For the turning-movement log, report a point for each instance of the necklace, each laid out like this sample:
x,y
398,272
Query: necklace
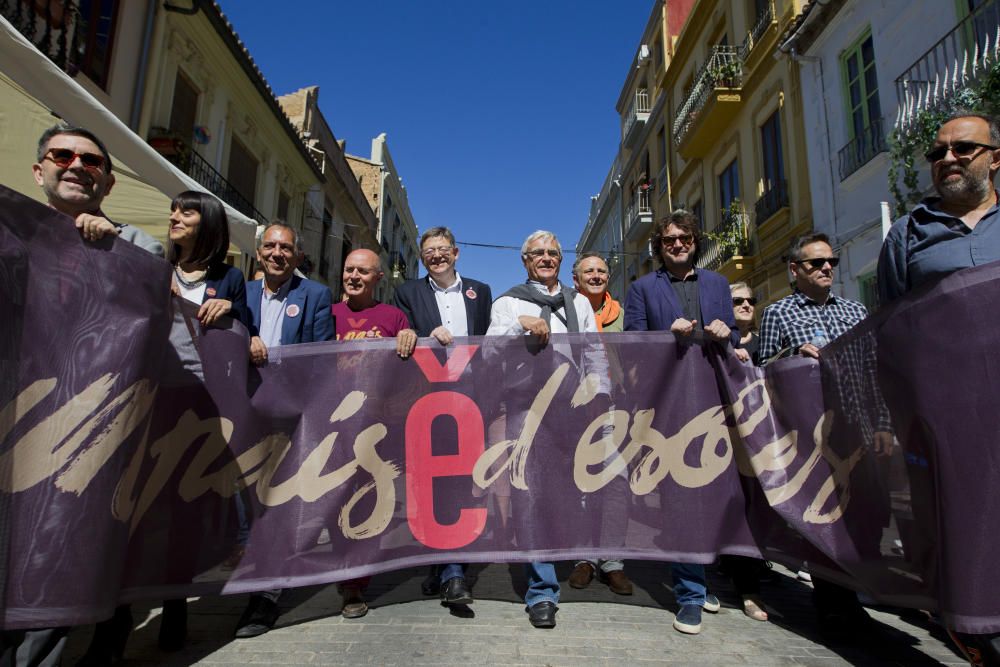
x,y
202,275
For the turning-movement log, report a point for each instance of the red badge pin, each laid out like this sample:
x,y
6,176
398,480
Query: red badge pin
x,y
210,291
292,310
471,293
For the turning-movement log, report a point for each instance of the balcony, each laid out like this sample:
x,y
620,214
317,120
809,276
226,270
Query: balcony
x,y
955,62
761,35
861,149
636,116
638,215
773,200
195,166
732,239
712,103
53,26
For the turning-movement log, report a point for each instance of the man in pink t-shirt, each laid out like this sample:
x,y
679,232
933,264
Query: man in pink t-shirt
x,y
361,316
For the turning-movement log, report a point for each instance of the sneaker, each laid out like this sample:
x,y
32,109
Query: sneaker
x,y
711,604
803,573
688,619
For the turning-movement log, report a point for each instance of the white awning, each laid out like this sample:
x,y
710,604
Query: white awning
x,y
42,79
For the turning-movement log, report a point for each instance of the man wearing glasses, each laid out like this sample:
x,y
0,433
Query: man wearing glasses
x,y
443,305
540,307
958,228
810,317
683,299
74,172
955,230
802,323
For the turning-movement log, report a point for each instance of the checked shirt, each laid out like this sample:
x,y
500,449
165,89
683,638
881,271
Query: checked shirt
x,y
791,322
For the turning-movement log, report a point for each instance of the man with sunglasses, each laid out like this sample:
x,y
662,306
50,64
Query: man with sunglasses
x,y
958,228
955,230
74,172
443,305
683,299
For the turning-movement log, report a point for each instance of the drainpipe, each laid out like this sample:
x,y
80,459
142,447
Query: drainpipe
x,y
140,79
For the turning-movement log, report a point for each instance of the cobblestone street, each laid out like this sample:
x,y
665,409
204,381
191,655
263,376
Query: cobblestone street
x,y
595,627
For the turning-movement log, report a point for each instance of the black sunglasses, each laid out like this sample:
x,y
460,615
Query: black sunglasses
x,y
959,148
740,300
818,262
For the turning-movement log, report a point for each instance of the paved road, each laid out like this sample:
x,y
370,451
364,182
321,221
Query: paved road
x,y
595,627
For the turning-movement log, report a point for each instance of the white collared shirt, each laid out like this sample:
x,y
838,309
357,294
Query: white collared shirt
x,y
506,310
451,306
272,313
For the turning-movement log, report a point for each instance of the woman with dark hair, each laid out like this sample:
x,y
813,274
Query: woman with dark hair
x,y
199,241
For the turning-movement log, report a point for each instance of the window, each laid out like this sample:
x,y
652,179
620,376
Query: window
x,y
242,173
96,38
283,202
770,143
324,263
698,210
868,286
729,187
661,140
184,108
861,86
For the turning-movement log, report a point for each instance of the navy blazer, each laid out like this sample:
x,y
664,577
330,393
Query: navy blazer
x,y
226,282
312,321
652,303
416,299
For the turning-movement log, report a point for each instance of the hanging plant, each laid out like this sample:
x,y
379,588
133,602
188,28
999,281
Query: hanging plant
x,y
907,148
731,236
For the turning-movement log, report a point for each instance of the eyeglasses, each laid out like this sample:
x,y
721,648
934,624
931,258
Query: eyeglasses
x,y
540,252
440,250
740,300
685,239
820,262
958,149
64,157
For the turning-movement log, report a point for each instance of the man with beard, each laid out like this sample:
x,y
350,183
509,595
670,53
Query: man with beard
x,y
955,230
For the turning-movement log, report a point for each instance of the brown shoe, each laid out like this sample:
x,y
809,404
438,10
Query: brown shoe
x,y
581,576
618,582
354,603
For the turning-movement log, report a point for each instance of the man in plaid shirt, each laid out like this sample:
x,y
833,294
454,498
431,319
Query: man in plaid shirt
x,y
811,316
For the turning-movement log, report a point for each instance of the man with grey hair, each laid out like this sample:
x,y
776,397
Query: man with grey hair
x,y
955,230
285,309
538,308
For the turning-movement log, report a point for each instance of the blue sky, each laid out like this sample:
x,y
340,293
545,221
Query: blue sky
x,y
500,116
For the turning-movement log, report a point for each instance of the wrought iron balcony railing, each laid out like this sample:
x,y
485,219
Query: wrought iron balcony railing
x,y
773,200
53,26
200,170
764,21
957,60
861,149
723,69
638,110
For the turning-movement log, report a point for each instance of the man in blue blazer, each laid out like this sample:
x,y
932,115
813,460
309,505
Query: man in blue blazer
x,y
682,299
443,305
284,308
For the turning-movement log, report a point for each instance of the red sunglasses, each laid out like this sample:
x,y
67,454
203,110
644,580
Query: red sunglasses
x,y
64,157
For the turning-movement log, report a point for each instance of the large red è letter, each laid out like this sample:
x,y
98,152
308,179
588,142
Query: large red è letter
x,y
422,467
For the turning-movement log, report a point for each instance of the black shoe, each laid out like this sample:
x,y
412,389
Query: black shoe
x,y
173,625
455,591
431,585
108,644
260,616
543,614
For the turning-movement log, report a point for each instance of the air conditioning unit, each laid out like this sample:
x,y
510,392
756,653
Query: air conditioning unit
x,y
643,55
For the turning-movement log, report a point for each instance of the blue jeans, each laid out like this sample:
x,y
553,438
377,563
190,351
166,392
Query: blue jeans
x,y
449,572
689,583
542,584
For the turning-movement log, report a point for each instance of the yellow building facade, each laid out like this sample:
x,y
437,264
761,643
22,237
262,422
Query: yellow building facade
x,y
737,145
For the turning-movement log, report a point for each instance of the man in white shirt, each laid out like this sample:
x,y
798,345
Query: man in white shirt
x,y
540,307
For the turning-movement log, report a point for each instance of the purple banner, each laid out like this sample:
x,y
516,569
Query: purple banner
x,y
129,450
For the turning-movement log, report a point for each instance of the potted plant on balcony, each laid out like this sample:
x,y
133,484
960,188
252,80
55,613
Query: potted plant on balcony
x,y
726,74
732,236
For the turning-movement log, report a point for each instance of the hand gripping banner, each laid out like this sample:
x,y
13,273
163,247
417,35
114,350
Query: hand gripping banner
x,y
136,450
